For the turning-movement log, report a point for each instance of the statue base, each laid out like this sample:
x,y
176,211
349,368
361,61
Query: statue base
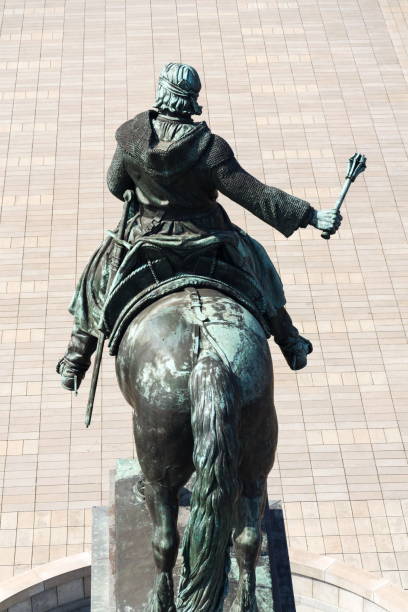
x,y
122,562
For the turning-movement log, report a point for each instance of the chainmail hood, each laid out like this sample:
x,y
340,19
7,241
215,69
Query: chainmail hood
x,y
158,158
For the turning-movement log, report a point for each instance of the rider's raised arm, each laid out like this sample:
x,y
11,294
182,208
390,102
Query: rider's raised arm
x,y
283,211
118,179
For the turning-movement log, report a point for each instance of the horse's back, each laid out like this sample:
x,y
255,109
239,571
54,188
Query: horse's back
x,y
157,352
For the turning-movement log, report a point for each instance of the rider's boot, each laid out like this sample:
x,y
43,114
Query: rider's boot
x,y
294,347
77,359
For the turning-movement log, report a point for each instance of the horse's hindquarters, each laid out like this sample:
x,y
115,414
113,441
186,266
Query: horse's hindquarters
x,y
213,406
153,357
156,352
156,357
239,338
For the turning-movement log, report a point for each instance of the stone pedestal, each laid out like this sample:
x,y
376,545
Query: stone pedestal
x,y
122,562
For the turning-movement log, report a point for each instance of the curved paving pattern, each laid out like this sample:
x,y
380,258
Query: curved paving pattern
x,y
296,87
63,585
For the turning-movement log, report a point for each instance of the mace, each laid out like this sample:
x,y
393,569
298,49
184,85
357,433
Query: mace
x,y
357,164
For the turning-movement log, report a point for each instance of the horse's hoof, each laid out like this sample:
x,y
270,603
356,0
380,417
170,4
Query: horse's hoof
x,y
160,604
244,606
155,605
139,489
162,597
245,600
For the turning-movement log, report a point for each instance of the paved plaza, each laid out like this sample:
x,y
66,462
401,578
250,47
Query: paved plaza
x,y
296,87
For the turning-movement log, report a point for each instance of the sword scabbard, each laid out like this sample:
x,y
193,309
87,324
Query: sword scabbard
x,y
95,376
115,262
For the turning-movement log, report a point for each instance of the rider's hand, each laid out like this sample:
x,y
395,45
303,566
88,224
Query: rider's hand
x,y
327,220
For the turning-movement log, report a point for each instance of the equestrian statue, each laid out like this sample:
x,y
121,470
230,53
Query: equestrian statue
x,y
187,301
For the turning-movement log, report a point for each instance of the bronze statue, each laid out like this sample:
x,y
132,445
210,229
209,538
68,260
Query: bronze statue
x,y
176,167
188,303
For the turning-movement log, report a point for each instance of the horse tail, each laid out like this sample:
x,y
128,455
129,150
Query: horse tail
x,y
216,406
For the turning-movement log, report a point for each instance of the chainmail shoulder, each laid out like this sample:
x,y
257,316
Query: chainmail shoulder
x,y
217,153
283,211
118,180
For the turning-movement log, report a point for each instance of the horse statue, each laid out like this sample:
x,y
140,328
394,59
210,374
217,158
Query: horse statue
x,y
195,366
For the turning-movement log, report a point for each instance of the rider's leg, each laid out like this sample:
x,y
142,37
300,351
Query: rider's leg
x,y
86,307
77,359
295,348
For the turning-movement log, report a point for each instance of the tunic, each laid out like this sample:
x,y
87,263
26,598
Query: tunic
x,y
176,170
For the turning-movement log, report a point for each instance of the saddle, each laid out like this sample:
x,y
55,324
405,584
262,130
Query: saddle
x,y
159,277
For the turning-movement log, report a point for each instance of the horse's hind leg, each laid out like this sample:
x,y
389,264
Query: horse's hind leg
x,y
162,485
259,429
247,541
163,506
164,446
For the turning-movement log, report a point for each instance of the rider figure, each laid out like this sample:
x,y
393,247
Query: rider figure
x,y
176,167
